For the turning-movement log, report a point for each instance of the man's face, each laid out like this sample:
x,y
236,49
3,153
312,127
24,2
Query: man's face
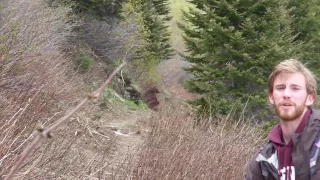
x,y
290,98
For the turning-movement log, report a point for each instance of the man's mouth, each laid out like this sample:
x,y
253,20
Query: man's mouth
x,y
287,105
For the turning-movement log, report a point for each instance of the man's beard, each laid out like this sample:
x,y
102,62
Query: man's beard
x,y
291,114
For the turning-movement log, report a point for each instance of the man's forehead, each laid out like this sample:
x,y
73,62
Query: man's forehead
x,y
290,79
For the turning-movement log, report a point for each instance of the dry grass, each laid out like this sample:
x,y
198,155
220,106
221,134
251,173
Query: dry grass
x,y
32,77
37,85
177,149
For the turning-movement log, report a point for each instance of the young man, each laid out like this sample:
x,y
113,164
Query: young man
x,y
292,152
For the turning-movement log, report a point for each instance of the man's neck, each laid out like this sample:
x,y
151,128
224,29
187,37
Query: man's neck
x,y
289,127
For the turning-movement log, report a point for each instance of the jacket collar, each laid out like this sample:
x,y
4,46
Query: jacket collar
x,y
301,151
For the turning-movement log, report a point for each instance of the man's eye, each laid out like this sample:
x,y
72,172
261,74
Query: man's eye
x,y
280,88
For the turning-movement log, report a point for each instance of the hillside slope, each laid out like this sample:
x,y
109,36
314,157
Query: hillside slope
x,y
172,70
40,82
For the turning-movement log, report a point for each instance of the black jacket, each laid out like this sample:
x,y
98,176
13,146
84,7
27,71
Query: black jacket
x,y
305,155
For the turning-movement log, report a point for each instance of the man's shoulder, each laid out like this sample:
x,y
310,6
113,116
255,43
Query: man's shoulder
x,y
314,117
266,151
315,114
267,148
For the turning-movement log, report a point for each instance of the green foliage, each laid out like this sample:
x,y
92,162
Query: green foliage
x,y
163,8
155,21
84,62
137,42
99,8
155,13
142,105
7,39
130,103
109,96
151,39
233,46
148,65
177,7
306,27
266,126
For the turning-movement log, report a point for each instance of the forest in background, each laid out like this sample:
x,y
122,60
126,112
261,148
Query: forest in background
x,y
231,45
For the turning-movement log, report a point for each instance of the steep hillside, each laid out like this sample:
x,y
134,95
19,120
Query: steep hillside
x,y
41,80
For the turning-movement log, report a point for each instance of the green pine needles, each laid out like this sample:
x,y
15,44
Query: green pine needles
x,y
151,39
155,14
233,46
99,8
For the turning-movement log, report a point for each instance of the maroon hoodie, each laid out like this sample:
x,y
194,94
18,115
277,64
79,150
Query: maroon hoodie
x,y
285,165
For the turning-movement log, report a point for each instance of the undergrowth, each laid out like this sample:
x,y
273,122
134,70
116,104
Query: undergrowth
x,y
177,149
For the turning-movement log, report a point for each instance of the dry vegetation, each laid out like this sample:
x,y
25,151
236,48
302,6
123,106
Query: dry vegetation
x,y
33,79
176,148
38,84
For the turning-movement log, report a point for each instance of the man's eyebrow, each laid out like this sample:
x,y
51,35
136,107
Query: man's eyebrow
x,y
280,85
295,85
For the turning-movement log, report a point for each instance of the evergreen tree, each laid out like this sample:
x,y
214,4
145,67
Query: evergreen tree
x,y
233,46
306,27
100,8
162,7
155,14
151,37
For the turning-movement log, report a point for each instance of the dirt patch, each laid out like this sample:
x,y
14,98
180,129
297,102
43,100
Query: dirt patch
x,y
129,131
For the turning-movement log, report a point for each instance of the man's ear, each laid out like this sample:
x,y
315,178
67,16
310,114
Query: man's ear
x,y
270,98
310,99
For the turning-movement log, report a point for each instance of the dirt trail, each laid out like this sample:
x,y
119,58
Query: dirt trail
x,y
129,131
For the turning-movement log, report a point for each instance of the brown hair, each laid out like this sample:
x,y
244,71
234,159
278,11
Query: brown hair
x,y
293,66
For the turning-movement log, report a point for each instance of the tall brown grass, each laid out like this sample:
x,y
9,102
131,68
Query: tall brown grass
x,y
37,85
176,148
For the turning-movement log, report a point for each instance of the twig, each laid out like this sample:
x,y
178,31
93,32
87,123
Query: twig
x,y
93,137
87,166
46,133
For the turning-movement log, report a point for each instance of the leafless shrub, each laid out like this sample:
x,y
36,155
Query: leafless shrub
x,y
31,76
37,84
104,37
108,39
177,149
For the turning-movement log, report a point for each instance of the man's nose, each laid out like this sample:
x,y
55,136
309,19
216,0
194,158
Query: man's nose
x,y
287,92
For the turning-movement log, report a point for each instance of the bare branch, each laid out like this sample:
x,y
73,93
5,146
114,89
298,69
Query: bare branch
x,y
47,133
